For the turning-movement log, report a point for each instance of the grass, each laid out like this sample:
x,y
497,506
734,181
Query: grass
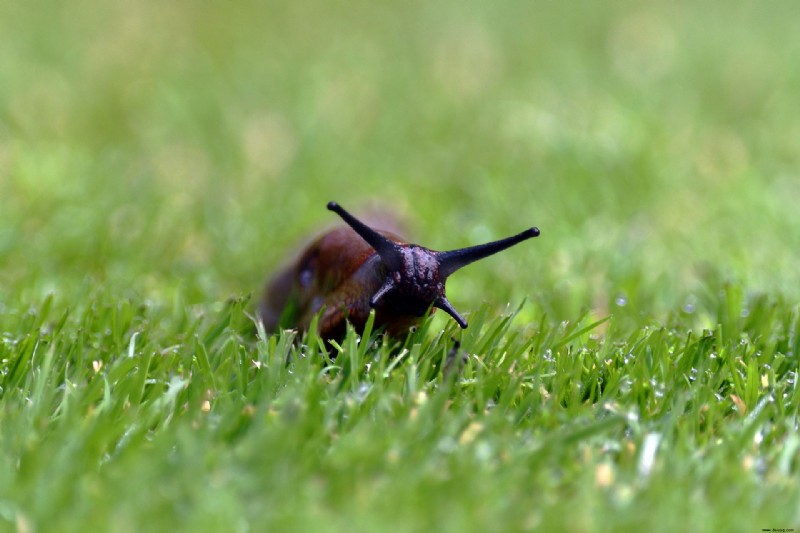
x,y
546,428
633,368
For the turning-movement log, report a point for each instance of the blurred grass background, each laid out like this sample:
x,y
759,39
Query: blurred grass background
x,y
147,146
158,158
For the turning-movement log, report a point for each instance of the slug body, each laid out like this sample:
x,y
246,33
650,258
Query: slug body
x,y
354,268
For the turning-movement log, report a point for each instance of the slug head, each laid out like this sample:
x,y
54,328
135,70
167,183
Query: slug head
x,y
416,276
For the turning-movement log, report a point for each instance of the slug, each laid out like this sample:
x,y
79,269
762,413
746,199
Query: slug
x,y
352,269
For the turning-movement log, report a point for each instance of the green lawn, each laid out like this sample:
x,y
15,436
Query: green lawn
x,y
634,368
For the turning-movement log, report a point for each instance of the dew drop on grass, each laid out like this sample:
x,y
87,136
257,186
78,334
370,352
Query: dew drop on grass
x,y
483,451
648,456
689,308
621,300
624,495
363,389
447,444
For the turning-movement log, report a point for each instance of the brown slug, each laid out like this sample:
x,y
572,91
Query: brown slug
x,y
352,269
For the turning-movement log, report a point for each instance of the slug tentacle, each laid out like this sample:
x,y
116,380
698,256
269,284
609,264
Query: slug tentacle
x,y
443,304
387,286
388,250
454,260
